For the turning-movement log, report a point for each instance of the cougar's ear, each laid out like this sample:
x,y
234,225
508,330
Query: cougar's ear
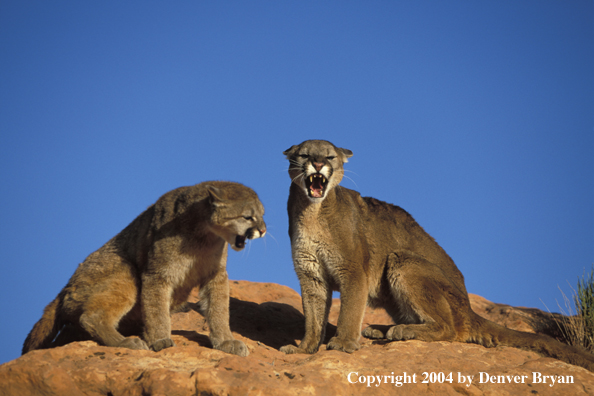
x,y
214,196
289,152
346,154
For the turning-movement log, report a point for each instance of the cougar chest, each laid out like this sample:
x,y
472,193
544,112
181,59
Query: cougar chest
x,y
314,253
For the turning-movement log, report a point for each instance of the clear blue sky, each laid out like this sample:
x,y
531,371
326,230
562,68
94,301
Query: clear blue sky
x,y
476,117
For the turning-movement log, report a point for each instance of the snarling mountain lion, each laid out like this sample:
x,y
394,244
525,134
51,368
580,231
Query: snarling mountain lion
x,y
132,283
375,253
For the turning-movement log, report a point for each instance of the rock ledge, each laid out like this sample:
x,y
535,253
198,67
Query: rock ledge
x,y
267,316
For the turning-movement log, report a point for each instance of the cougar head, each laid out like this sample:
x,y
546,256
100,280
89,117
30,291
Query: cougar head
x,y
316,166
237,214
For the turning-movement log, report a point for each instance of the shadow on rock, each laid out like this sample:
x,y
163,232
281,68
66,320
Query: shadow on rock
x,y
271,323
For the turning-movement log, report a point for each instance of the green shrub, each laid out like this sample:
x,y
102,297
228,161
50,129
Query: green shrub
x,y
578,329
584,304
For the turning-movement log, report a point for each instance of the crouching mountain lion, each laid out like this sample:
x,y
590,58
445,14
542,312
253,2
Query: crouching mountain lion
x,y
132,283
375,253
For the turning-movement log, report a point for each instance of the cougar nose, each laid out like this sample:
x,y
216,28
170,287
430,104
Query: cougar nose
x,y
318,165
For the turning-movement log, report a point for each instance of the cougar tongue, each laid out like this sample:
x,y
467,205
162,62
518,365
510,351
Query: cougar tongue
x,y
316,187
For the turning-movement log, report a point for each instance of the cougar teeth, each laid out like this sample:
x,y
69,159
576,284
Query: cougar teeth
x,y
317,175
317,185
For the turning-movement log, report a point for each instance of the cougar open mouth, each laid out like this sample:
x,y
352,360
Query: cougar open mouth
x,y
316,185
240,241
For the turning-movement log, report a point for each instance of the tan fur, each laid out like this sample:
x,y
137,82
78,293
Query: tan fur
x,y
131,284
376,253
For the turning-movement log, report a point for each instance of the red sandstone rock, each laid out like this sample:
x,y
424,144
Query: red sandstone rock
x,y
267,316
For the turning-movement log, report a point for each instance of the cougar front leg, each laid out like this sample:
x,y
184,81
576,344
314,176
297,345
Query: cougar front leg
x,y
353,297
317,298
156,306
214,300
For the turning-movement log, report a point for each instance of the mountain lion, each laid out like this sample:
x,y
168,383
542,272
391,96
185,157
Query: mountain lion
x,y
132,283
375,253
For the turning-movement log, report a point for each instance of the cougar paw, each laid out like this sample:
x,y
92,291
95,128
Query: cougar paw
x,y
370,332
162,344
338,344
133,343
236,347
400,333
291,349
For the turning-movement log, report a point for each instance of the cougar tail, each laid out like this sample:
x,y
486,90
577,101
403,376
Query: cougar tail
x,y
491,334
46,329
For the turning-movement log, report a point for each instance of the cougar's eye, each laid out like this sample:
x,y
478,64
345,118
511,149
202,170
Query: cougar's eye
x,y
249,218
304,156
330,157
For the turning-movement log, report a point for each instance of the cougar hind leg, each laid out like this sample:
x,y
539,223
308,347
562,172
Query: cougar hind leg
x,y
422,302
103,310
102,323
